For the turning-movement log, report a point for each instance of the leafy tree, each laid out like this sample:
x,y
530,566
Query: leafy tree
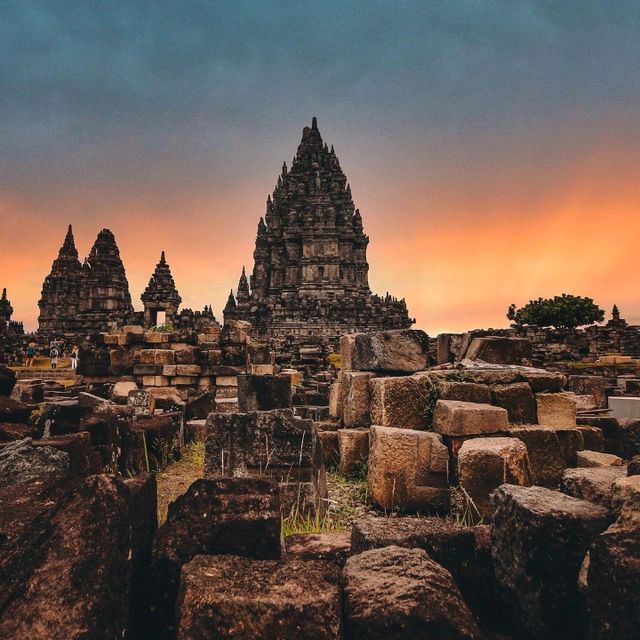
x,y
561,311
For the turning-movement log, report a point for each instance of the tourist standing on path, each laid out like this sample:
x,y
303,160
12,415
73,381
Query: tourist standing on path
x,y
31,351
54,357
74,357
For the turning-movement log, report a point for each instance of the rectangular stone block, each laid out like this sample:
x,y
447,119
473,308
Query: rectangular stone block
x,y
187,370
156,356
400,351
155,381
169,370
353,445
335,400
545,453
455,418
463,391
588,385
148,369
156,337
263,393
408,470
356,398
517,399
486,463
558,410
185,380
624,407
346,350
226,381
402,402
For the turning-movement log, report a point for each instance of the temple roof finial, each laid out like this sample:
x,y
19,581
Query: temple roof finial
x,y
314,123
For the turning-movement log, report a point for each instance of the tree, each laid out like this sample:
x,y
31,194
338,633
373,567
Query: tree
x,y
561,311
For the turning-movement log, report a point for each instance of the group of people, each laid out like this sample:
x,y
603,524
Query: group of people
x,y
55,350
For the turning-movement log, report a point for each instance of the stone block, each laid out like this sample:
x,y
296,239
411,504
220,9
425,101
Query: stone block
x,y
353,445
424,601
545,453
517,399
121,390
186,354
273,443
624,408
630,438
403,402
335,400
229,597
195,430
612,585
557,410
455,418
156,337
263,393
201,406
156,356
67,573
155,381
140,400
544,381
486,463
593,437
623,490
463,391
540,538
227,381
408,470
330,448
187,369
238,516
148,369
329,547
346,351
169,370
571,441
588,458
356,398
500,350
400,351
594,484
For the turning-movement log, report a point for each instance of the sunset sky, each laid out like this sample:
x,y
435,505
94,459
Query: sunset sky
x,y
493,147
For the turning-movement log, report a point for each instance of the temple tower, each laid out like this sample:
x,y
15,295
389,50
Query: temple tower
x,y
310,273
59,301
160,296
6,310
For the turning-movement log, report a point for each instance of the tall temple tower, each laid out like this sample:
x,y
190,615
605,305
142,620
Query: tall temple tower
x,y
59,301
160,296
310,274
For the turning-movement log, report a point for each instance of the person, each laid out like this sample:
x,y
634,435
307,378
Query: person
x,y
74,357
31,351
54,357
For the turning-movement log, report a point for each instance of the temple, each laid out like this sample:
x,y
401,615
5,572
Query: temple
x,y
161,298
310,273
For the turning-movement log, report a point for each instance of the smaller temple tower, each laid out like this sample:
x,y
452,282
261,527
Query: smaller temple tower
x,y
6,310
161,296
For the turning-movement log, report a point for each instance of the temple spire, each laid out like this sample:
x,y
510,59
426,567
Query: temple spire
x,y
68,247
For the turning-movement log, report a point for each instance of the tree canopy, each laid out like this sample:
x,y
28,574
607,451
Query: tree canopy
x,y
561,311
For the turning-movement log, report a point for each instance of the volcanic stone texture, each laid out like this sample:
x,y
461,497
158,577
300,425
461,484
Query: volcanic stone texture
x,y
400,351
540,538
237,598
394,593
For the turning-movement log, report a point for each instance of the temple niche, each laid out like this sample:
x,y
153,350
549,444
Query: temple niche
x,y
310,274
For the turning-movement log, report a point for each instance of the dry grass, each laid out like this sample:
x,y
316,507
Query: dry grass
x,y
176,478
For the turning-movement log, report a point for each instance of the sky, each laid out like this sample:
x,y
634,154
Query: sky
x,y
492,146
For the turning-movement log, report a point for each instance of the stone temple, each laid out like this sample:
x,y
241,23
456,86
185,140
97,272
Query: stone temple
x,y
310,274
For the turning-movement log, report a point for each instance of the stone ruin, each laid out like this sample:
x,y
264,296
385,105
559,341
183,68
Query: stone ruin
x,y
12,336
311,275
498,508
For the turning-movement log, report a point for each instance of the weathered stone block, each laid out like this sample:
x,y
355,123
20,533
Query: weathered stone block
x,y
517,399
356,398
346,351
187,369
622,491
463,391
335,400
571,441
545,453
169,370
556,410
402,402
424,602
588,458
155,381
353,445
330,448
592,484
233,597
500,350
540,538
263,393
156,356
455,418
121,390
593,437
408,470
400,351
330,547
486,463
